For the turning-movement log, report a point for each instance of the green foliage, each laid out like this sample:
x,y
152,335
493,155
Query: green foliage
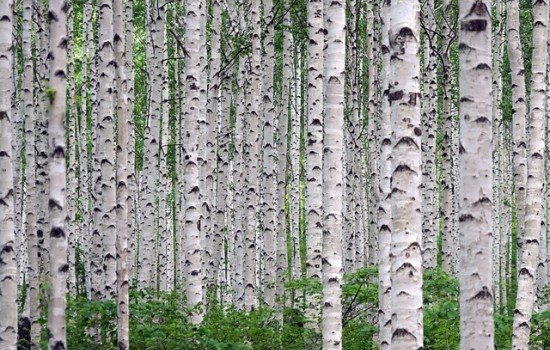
x,y
540,330
160,320
441,321
360,306
50,93
85,319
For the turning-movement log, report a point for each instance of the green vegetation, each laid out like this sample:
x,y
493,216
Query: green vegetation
x,y
159,320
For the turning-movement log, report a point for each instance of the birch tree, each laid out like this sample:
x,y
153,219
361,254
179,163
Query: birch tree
x,y
534,218
269,205
406,177
314,153
106,147
333,137
8,268
30,168
122,179
476,176
57,202
192,227
519,109
384,210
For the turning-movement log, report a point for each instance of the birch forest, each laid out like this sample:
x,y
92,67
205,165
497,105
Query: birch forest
x,y
274,174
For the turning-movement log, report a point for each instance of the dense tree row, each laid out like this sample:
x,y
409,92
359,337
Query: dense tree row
x,y
250,155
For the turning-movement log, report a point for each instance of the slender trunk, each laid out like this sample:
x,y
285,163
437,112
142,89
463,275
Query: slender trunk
x,y
30,168
498,38
519,111
106,147
57,203
447,237
252,155
406,161
123,340
333,136
372,142
71,167
294,154
429,124
282,261
8,268
147,271
84,169
213,110
475,182
130,148
314,157
192,228
384,209
527,270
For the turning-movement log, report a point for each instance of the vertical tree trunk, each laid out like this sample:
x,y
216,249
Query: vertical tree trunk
x,y
294,153
429,125
314,156
84,170
123,100
71,167
269,204
147,270
131,171
475,168
334,82
527,271
385,207
498,37
42,138
372,142
406,155
519,111
106,147
447,246
30,172
213,110
192,227
57,203
164,240
252,156
282,154
8,268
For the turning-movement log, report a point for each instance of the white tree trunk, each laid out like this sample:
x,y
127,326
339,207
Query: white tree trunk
x,y
8,268
269,205
123,100
406,155
527,270
192,228
447,213
334,82
429,127
30,168
57,202
252,155
519,113
475,168
314,157
106,147
385,207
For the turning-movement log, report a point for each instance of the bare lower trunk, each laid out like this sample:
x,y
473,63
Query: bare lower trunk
x,y
334,82
527,270
475,168
123,340
406,177
57,203
8,268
